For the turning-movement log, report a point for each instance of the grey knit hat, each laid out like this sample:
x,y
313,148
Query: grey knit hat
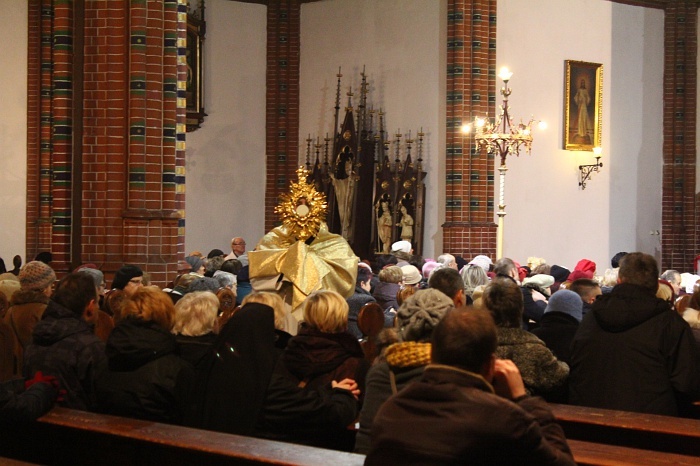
x,y
420,313
36,275
566,301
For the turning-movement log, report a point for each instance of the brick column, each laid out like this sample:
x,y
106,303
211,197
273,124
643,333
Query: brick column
x,y
680,211
282,115
469,228
133,134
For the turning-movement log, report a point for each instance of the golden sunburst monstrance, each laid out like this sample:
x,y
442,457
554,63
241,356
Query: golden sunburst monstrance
x,y
302,209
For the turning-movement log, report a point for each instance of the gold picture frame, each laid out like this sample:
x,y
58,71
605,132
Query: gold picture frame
x,y
194,88
583,105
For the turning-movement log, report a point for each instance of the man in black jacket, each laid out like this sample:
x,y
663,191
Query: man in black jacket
x,y
64,344
467,407
632,351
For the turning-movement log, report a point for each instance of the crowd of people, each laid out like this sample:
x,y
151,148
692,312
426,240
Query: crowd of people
x,y
470,354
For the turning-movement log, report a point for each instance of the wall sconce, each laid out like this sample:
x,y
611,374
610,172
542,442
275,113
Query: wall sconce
x,y
585,171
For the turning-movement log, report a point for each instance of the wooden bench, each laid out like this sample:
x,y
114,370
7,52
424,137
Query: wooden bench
x,y
634,430
65,436
597,454
72,437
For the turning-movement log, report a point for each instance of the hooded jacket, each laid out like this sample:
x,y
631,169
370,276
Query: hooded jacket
x,y
64,345
317,358
26,309
452,417
405,362
145,377
632,352
385,294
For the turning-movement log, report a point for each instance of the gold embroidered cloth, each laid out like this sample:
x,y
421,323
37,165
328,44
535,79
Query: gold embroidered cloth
x,y
327,263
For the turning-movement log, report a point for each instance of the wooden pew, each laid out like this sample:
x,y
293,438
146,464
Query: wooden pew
x,y
72,437
596,454
634,430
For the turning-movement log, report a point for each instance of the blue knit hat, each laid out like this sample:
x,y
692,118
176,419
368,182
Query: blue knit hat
x,y
566,301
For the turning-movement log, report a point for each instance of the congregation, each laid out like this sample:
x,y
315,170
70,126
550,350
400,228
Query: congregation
x,y
470,354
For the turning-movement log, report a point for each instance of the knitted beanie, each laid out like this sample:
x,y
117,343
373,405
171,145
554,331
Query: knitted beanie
x,y
204,284
420,313
195,262
124,274
96,275
566,301
586,265
36,275
559,273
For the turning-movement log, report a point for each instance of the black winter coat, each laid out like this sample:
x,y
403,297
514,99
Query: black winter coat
x,y
355,303
64,345
632,352
557,330
145,377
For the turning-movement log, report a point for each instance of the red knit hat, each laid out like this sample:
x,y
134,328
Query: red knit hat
x,y
586,265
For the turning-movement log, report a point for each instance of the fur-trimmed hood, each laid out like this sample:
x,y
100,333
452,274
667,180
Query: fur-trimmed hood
x,y
28,296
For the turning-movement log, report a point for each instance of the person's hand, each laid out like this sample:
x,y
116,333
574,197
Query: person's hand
x,y
537,296
507,380
349,385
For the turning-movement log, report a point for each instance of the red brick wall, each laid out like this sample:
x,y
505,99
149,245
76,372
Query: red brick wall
x,y
680,234
471,63
282,120
133,134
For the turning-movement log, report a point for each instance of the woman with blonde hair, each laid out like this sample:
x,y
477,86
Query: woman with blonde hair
x,y
473,276
320,354
195,326
145,377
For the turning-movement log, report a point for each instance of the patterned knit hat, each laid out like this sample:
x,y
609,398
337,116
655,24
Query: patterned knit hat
x,y
421,312
36,276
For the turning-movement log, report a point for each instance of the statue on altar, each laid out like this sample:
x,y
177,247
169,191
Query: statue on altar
x,y
344,186
384,225
406,224
302,256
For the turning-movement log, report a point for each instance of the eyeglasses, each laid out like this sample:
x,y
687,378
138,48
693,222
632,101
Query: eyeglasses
x,y
239,244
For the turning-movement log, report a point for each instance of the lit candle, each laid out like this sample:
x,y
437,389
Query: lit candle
x,y
505,74
597,151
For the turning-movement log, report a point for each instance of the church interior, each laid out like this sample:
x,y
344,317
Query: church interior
x,y
268,83
139,131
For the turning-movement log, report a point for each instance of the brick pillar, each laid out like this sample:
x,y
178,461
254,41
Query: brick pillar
x,y
469,228
282,120
680,233
133,134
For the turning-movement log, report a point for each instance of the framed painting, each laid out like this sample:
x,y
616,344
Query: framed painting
x,y
194,86
583,105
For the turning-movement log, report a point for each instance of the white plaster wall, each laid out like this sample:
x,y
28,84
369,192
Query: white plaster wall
x,y
225,161
636,136
13,129
548,215
402,45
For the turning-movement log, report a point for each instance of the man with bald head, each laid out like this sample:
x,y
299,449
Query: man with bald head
x,y
238,251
